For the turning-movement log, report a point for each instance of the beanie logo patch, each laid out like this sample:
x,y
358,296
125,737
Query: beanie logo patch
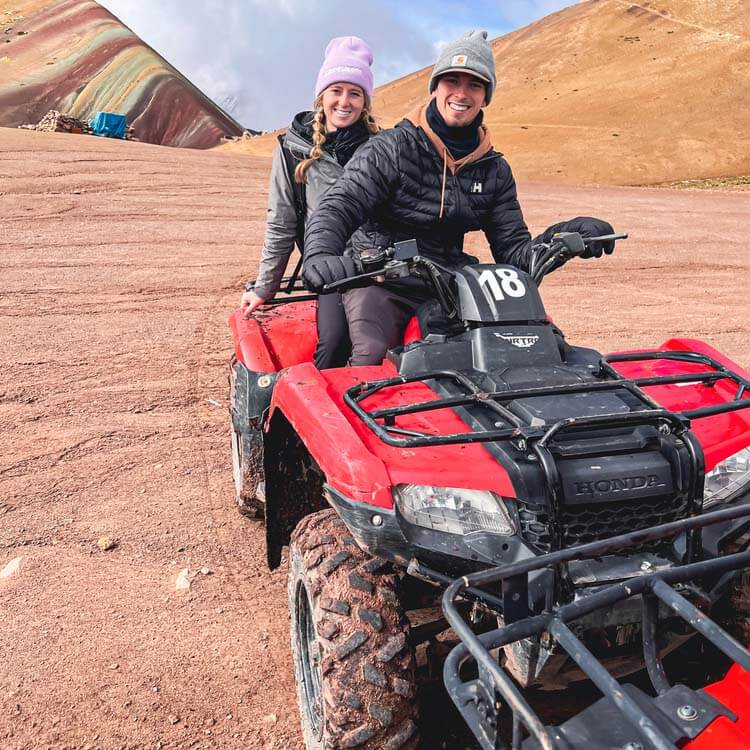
x,y
459,60
342,69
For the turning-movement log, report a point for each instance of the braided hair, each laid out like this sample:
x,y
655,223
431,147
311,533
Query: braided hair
x,y
319,135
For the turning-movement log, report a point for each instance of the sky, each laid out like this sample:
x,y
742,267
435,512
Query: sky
x,y
259,59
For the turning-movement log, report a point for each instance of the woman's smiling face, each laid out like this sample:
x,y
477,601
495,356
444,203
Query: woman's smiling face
x,y
342,105
459,97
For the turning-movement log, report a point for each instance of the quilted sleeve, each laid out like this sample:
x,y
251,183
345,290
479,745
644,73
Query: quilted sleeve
x,y
506,230
367,182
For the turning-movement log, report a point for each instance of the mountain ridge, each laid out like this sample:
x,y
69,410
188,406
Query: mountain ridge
x,y
76,56
612,92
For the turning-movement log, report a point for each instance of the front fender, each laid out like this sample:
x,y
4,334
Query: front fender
x,y
302,395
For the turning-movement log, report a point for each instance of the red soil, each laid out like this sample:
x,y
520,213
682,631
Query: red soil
x,y
120,263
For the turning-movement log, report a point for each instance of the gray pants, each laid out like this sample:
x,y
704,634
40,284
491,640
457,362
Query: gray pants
x,y
377,318
333,333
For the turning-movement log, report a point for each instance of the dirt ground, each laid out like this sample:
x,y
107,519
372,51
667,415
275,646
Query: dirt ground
x,y
119,264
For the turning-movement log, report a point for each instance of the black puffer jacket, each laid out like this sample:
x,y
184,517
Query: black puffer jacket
x,y
391,190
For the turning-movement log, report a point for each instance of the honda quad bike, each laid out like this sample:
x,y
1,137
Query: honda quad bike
x,y
485,440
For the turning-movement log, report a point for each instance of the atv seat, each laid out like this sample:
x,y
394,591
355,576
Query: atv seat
x,y
280,336
284,335
413,331
430,318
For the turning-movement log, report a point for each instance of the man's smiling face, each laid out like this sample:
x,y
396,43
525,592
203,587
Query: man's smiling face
x,y
459,97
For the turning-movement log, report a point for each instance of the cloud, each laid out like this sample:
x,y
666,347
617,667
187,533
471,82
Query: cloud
x,y
517,13
259,58
444,20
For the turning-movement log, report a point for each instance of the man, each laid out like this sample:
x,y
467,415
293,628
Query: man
x,y
433,177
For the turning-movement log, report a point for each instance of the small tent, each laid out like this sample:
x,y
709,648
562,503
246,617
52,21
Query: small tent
x,y
109,125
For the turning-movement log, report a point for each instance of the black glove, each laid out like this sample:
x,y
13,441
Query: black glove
x,y
327,269
586,226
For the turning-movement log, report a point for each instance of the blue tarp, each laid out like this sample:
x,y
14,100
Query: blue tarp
x,y
109,124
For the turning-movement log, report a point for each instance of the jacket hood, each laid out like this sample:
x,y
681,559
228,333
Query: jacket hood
x,y
301,125
418,118
339,145
298,136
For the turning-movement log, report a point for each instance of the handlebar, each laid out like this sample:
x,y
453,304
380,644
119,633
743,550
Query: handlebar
x,y
403,260
547,257
415,265
393,269
389,263
605,237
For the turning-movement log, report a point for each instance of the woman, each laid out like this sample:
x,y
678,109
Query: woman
x,y
322,142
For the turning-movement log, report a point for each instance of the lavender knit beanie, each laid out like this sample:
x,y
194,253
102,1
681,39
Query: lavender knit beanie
x,y
347,60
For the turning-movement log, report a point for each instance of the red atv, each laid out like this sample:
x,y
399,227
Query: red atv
x,y
485,440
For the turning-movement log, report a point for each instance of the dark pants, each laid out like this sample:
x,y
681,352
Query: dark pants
x,y
377,318
334,345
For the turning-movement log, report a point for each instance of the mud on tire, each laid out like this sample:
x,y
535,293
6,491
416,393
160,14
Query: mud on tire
x,y
735,615
353,662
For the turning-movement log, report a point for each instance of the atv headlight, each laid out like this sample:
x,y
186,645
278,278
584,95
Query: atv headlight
x,y
455,511
727,478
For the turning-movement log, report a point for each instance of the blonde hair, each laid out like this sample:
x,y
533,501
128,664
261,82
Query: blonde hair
x,y
319,135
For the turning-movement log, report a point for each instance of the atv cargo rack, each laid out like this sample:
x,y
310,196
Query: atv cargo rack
x,y
625,717
519,430
293,290
719,373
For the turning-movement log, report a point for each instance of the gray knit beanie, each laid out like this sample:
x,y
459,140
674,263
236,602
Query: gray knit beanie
x,y
470,53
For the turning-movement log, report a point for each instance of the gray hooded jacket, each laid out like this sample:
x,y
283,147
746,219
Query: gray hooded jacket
x,y
281,219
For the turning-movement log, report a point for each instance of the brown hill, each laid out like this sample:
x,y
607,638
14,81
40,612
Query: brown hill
x,y
75,56
613,92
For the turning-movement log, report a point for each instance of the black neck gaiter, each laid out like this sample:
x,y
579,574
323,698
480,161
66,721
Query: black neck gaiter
x,y
459,141
342,143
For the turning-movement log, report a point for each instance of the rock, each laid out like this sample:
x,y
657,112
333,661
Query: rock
x,y
205,571
174,719
13,568
106,543
56,122
183,580
271,718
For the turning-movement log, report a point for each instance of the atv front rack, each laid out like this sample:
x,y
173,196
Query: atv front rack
x,y
719,372
664,722
516,429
